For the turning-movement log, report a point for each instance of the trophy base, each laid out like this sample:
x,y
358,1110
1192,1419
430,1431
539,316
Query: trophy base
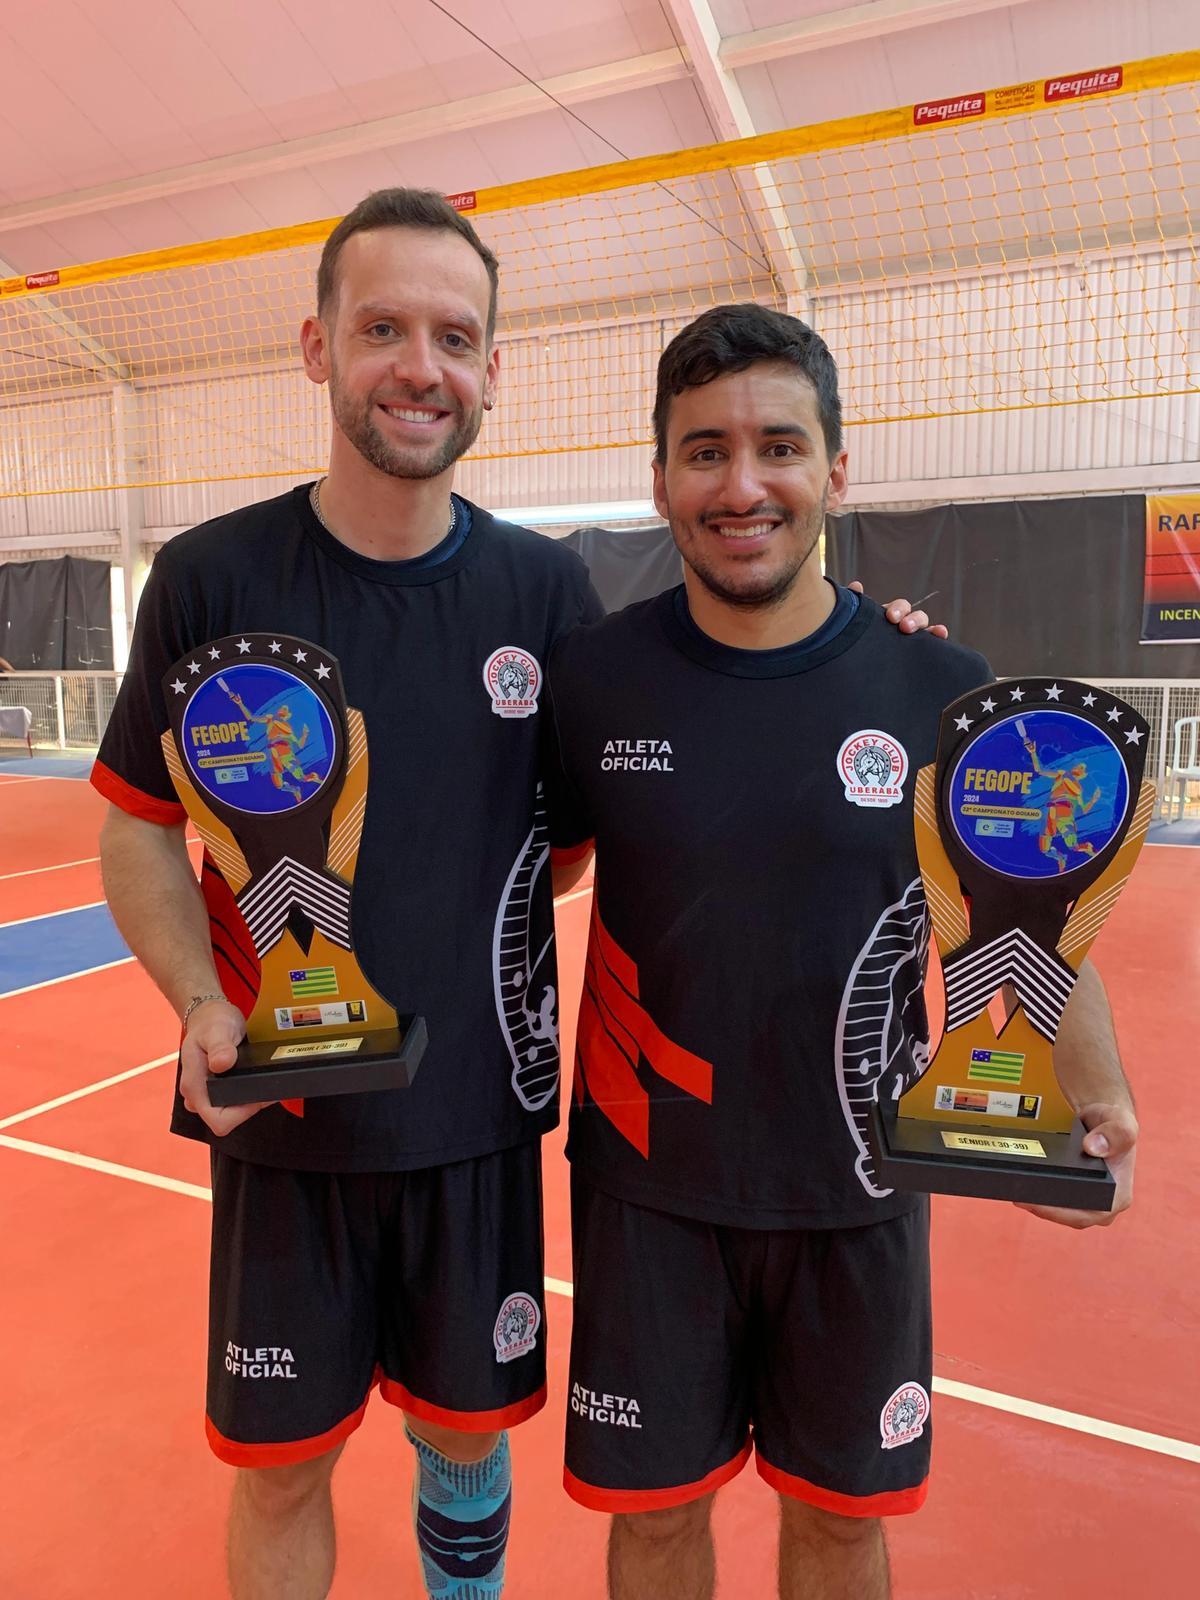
x,y
311,1068
912,1156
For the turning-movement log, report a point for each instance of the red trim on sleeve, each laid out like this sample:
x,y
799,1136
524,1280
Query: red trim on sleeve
x,y
893,1504
464,1421
568,855
167,813
652,1499
288,1454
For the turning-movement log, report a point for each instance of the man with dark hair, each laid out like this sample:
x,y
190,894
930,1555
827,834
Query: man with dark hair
x,y
757,951
392,1237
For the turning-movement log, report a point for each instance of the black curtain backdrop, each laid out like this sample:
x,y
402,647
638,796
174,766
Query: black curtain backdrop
x,y
1039,586
634,564
56,616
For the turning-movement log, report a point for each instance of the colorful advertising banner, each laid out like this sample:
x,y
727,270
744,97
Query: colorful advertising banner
x,y
1171,606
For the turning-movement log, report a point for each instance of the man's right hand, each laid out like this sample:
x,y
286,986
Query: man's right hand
x,y
215,1030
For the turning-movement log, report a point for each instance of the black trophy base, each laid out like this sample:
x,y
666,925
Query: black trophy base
x,y
912,1156
384,1060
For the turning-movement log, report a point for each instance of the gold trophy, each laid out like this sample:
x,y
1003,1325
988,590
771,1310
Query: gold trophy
x,y
271,766
1027,828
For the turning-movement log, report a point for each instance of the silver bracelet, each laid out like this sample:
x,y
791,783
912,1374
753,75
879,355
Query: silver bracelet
x,y
196,1001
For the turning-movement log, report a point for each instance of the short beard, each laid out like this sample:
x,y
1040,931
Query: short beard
x,y
767,593
360,429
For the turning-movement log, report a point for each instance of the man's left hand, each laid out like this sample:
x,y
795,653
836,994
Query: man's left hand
x,y
1112,1134
901,613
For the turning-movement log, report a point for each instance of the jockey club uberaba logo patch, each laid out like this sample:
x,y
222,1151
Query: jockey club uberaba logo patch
x,y
516,1327
903,1418
873,766
513,679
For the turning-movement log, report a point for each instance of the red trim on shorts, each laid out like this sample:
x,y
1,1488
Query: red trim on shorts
x,y
652,1499
464,1421
167,813
288,1454
568,855
895,1503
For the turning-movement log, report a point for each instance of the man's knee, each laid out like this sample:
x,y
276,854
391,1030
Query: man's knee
x,y
683,1523
815,1526
280,1492
453,1443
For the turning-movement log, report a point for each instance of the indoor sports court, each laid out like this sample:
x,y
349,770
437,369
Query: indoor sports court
x,y
989,209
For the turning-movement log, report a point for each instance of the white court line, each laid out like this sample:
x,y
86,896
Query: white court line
x,y
1182,1449
72,1158
577,894
59,866
44,916
48,983
1013,1405
80,1094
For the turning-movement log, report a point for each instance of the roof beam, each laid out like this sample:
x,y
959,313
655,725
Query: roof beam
x,y
732,119
713,61
870,21
524,99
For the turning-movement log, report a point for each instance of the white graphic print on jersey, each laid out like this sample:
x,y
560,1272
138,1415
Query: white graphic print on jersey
x,y
881,1012
524,973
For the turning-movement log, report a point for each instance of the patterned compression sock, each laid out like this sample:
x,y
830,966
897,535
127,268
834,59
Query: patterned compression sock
x,y
461,1513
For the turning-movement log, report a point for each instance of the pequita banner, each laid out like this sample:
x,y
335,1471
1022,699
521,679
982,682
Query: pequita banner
x,y
1171,605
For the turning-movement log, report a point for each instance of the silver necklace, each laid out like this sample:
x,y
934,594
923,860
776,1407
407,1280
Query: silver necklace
x,y
314,500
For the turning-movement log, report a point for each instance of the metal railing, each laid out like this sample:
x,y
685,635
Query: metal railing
x,y
70,710
1163,702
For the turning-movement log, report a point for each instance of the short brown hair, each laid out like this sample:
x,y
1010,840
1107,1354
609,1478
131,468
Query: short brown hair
x,y
731,338
402,208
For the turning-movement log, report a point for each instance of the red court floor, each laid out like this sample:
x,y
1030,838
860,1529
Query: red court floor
x,y
109,1489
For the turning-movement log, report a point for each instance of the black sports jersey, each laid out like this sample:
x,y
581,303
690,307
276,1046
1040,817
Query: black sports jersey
x,y
759,933
452,909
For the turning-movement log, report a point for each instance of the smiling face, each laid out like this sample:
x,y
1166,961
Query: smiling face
x,y
404,349
746,481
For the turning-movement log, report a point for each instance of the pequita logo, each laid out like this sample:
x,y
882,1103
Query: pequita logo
x,y
930,112
41,280
1104,81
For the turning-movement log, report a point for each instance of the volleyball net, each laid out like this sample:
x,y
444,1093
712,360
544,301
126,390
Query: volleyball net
x,y
1004,250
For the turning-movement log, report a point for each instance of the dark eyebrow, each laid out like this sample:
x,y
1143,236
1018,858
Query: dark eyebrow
x,y
380,311
776,430
773,430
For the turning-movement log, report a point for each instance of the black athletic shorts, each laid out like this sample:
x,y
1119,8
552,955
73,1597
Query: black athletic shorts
x,y
692,1342
428,1283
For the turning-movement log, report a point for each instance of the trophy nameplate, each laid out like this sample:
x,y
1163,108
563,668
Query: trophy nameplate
x,y
1027,827
271,766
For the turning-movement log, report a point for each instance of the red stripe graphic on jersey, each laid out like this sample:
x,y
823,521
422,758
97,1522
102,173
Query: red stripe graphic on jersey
x,y
611,1080
615,1030
612,955
617,984
233,950
234,955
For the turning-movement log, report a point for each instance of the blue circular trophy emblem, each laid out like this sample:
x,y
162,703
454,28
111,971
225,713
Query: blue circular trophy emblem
x,y
1039,794
257,738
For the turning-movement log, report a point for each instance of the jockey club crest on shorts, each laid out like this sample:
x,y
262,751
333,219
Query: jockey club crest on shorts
x,y
903,1418
513,679
516,1327
873,767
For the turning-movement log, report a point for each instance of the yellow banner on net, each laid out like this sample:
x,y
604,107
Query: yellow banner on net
x,y
1171,594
